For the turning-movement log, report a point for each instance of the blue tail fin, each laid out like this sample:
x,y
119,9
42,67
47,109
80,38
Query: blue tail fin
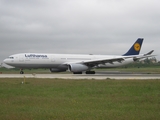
x,y
136,47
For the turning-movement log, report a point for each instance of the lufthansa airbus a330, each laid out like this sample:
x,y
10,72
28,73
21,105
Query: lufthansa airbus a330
x,y
76,63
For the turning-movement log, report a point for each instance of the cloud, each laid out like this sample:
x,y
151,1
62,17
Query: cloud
x,y
77,26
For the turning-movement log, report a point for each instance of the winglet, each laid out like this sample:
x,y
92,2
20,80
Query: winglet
x,y
136,47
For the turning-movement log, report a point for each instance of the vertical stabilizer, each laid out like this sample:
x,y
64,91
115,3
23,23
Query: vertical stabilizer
x,y
136,47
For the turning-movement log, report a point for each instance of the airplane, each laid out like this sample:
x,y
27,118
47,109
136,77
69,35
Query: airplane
x,y
76,63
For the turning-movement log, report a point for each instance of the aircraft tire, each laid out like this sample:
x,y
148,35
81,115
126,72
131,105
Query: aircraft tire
x,y
21,72
77,73
90,72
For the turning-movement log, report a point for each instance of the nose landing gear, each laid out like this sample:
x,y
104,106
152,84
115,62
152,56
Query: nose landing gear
x,y
21,71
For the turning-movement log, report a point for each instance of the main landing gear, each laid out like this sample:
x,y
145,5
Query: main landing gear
x,y
77,73
21,71
87,72
90,72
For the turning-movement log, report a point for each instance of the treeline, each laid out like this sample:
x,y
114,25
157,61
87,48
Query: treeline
x,y
149,62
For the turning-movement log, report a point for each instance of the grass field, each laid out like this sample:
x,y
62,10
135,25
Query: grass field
x,y
56,99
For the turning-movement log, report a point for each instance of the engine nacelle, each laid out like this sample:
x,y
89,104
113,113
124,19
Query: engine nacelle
x,y
78,67
57,70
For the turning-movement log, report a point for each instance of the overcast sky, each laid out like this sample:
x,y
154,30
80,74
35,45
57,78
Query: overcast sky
x,y
78,26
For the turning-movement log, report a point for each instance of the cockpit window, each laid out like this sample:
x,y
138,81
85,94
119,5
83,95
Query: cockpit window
x,y
11,57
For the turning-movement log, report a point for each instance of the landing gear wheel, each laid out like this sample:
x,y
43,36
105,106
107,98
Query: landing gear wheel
x,y
90,72
21,72
77,73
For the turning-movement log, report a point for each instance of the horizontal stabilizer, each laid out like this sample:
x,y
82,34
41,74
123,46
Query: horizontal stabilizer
x,y
149,53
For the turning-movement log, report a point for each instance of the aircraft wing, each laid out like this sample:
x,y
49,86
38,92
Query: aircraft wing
x,y
95,62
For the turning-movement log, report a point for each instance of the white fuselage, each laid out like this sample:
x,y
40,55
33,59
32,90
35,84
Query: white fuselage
x,y
41,60
76,63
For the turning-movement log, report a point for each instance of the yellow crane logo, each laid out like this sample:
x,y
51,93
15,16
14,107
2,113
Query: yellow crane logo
x,y
137,47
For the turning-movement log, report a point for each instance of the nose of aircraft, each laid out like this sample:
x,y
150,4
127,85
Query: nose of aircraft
x,y
5,61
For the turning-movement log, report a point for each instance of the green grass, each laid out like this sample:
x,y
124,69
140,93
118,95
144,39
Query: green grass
x,y
47,99
149,70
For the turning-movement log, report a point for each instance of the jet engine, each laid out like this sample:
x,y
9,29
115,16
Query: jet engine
x,y
78,68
